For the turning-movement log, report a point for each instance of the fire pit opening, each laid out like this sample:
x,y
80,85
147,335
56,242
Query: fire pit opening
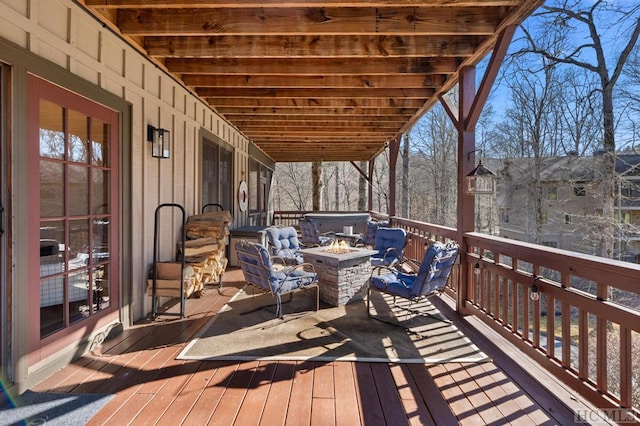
x,y
338,247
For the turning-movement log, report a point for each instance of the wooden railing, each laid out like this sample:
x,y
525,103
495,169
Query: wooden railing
x,y
287,217
291,217
584,324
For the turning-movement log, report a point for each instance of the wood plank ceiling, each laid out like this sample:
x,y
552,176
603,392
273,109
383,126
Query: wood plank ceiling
x,y
331,80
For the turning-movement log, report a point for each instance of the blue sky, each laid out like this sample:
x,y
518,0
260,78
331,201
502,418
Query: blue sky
x,y
614,34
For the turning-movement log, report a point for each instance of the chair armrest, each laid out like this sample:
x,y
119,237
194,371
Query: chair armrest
x,y
382,269
409,265
278,259
307,267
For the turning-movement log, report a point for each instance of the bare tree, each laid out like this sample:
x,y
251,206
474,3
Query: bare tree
x,y
404,208
557,42
318,185
293,186
380,183
580,112
630,92
435,142
532,117
362,188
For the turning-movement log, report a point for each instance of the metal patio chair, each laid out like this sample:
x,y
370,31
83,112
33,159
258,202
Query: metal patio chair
x,y
310,236
283,244
258,269
389,243
430,279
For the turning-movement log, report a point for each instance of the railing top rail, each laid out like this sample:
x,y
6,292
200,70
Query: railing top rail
x,y
444,231
617,273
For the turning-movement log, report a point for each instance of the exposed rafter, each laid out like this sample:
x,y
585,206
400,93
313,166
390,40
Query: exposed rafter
x,y
310,79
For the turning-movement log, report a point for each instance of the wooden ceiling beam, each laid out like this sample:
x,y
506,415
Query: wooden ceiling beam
x,y
311,120
240,92
310,46
318,125
337,112
314,79
344,138
422,20
316,103
305,81
215,4
348,136
314,66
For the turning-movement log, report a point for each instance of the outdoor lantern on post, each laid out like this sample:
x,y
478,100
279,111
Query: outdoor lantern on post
x,y
481,180
160,141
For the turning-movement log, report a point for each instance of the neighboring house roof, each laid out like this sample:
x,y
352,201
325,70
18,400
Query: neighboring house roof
x,y
571,168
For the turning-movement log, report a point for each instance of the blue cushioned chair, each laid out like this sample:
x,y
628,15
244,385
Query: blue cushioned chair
x,y
258,269
390,243
369,239
430,280
310,236
284,244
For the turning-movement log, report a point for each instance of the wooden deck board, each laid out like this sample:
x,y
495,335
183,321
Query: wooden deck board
x,y
414,406
346,395
150,386
208,400
252,407
302,396
277,405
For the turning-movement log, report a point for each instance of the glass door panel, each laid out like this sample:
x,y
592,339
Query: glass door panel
x,y
75,214
52,278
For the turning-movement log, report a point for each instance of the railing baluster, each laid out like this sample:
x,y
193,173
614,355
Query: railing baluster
x,y
566,334
551,326
498,285
583,348
626,371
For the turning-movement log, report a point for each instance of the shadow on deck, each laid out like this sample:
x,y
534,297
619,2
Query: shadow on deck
x,y
139,367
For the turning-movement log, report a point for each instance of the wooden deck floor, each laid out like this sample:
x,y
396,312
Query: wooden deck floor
x,y
139,367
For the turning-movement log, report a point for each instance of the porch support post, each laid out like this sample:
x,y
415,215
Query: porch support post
x,y
394,149
470,106
372,164
466,163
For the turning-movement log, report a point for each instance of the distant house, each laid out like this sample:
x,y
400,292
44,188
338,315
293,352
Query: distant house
x,y
557,202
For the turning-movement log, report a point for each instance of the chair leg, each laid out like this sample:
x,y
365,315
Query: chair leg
x,y
422,313
397,324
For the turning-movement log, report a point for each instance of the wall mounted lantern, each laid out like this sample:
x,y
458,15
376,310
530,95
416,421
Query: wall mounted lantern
x,y
481,180
160,141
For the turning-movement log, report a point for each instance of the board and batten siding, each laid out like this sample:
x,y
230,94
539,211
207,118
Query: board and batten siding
x,y
65,35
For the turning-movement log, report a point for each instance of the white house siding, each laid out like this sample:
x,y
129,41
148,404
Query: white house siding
x,y
64,34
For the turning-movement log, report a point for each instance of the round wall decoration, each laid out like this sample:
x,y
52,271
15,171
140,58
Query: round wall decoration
x,y
243,197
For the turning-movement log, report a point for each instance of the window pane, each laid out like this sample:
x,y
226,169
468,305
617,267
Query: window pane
x,y
100,241
52,282
100,142
78,137
51,188
101,288
78,295
51,130
78,243
78,190
210,173
226,187
100,191
253,185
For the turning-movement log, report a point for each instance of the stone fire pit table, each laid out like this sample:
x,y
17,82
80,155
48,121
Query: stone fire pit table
x,y
342,277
